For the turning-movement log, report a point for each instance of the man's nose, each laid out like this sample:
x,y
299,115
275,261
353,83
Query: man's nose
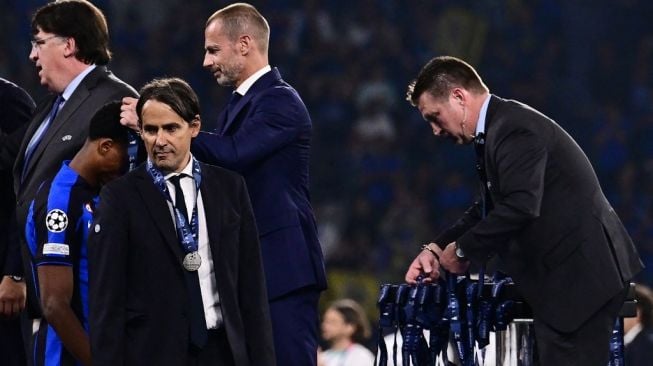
x,y
207,61
33,54
161,139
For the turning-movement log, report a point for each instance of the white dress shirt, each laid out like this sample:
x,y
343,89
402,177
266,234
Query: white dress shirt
x,y
206,273
245,85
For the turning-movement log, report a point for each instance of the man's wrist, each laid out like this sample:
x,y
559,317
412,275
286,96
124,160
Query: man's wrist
x,y
460,254
431,248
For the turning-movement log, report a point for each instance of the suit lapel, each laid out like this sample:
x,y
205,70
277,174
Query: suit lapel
x,y
234,112
212,204
77,98
158,208
222,121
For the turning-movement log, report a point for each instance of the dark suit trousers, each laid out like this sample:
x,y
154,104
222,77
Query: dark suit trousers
x,y
587,346
12,349
215,353
294,325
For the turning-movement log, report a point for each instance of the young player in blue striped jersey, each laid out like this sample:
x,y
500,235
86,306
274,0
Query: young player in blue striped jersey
x,y
57,227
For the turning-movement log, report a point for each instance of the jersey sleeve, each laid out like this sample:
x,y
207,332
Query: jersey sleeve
x,y
56,227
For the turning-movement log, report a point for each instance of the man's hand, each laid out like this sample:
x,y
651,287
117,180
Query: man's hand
x,y
12,297
128,115
424,264
450,261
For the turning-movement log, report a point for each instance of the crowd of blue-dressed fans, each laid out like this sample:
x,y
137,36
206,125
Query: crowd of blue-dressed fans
x,y
380,184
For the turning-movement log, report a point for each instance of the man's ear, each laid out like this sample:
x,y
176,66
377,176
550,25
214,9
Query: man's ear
x,y
244,44
104,146
196,125
71,47
459,95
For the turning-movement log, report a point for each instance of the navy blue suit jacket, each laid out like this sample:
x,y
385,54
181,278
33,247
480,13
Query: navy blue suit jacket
x,y
267,138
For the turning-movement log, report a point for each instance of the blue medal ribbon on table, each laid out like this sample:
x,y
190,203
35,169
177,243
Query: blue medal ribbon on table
x,y
417,319
439,337
455,321
503,310
471,314
387,313
188,234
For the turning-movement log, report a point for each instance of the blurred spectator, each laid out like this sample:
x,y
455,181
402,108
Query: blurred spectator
x,y
345,326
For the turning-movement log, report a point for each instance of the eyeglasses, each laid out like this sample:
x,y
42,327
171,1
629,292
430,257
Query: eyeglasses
x,y
37,43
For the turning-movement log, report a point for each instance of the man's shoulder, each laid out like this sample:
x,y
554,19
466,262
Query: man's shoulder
x,y
102,79
506,116
12,92
218,173
125,185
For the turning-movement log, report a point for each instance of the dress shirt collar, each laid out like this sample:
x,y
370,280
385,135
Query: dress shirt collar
x,y
480,124
70,89
188,170
244,87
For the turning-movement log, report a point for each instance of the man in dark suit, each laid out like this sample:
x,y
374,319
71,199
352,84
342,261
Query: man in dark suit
x,y
70,49
176,276
16,107
264,134
541,211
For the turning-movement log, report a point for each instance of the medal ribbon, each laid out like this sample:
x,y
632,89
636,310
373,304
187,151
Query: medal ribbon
x,y
188,234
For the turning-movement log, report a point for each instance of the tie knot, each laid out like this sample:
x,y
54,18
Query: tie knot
x,y
57,101
175,179
479,139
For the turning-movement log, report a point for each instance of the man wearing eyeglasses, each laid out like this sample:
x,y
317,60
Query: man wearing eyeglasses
x,y
70,49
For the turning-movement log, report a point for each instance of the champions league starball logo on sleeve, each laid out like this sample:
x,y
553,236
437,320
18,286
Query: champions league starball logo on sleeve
x,y
56,221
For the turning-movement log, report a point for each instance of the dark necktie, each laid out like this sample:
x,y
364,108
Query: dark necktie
x,y
198,332
235,97
180,202
40,132
479,148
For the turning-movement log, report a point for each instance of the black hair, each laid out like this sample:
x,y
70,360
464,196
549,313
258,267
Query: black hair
x,y
106,124
440,75
78,19
174,92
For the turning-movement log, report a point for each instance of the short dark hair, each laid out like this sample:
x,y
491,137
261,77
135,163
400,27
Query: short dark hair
x,y
106,124
239,18
440,75
78,19
353,314
174,92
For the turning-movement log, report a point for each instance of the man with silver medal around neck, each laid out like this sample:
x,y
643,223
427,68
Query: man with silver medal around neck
x,y
174,254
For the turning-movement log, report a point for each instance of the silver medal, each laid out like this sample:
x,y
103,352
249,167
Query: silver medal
x,y
192,261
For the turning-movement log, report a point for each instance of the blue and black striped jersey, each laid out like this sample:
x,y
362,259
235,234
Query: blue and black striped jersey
x,y
56,231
